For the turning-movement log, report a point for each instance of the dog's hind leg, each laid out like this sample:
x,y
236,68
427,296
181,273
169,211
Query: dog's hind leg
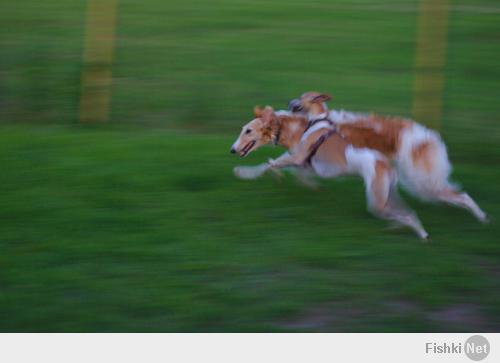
x,y
380,181
399,210
425,169
384,200
462,200
403,216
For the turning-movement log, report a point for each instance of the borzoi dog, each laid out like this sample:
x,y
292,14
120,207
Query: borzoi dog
x,y
419,154
322,148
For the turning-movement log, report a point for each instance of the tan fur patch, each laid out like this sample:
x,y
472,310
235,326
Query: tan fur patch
x,y
332,151
375,132
422,156
382,169
291,130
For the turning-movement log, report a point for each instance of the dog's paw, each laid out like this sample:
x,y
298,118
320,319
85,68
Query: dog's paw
x,y
487,219
248,172
425,238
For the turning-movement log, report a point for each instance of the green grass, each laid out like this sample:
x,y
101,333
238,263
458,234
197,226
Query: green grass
x,y
140,225
109,230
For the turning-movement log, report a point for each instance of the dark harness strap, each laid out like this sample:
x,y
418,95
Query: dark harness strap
x,y
277,136
314,122
317,144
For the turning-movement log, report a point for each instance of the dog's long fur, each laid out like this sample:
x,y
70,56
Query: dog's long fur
x,y
419,153
335,156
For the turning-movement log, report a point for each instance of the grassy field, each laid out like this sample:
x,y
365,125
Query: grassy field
x,y
139,225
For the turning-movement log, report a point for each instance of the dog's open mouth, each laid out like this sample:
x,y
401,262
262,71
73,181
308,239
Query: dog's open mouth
x,y
247,148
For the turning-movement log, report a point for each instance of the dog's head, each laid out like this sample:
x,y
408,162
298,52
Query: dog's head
x,y
310,101
257,132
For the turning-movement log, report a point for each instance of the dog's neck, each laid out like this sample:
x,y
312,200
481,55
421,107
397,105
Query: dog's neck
x,y
289,130
317,111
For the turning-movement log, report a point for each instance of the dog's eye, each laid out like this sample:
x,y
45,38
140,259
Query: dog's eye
x,y
248,131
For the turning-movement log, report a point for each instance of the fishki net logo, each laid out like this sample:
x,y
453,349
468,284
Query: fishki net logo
x,y
476,348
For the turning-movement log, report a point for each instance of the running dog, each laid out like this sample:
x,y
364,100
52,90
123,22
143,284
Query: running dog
x,y
419,153
321,148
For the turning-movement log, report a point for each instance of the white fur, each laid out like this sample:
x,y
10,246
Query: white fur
x,y
316,127
313,118
342,116
283,113
362,161
236,144
326,170
419,182
251,172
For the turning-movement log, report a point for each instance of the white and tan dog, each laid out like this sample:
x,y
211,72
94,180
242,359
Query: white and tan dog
x,y
419,153
322,149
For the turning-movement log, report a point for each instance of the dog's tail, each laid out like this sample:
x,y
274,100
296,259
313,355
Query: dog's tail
x,y
423,165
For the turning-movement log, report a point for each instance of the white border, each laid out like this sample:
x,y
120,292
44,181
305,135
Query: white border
x,y
232,348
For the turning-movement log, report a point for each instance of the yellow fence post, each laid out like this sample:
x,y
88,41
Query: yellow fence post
x,y
99,46
432,31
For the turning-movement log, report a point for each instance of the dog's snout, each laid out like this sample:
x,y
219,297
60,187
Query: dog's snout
x,y
233,150
295,105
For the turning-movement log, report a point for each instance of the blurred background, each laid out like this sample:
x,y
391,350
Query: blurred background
x,y
119,210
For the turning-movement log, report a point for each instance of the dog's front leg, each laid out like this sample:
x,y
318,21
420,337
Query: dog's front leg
x,y
251,172
285,160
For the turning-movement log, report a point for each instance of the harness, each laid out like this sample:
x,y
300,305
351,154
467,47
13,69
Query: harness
x,y
277,136
314,122
317,144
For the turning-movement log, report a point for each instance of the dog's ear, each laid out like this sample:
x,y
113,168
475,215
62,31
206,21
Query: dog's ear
x,y
258,112
268,110
268,115
321,98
